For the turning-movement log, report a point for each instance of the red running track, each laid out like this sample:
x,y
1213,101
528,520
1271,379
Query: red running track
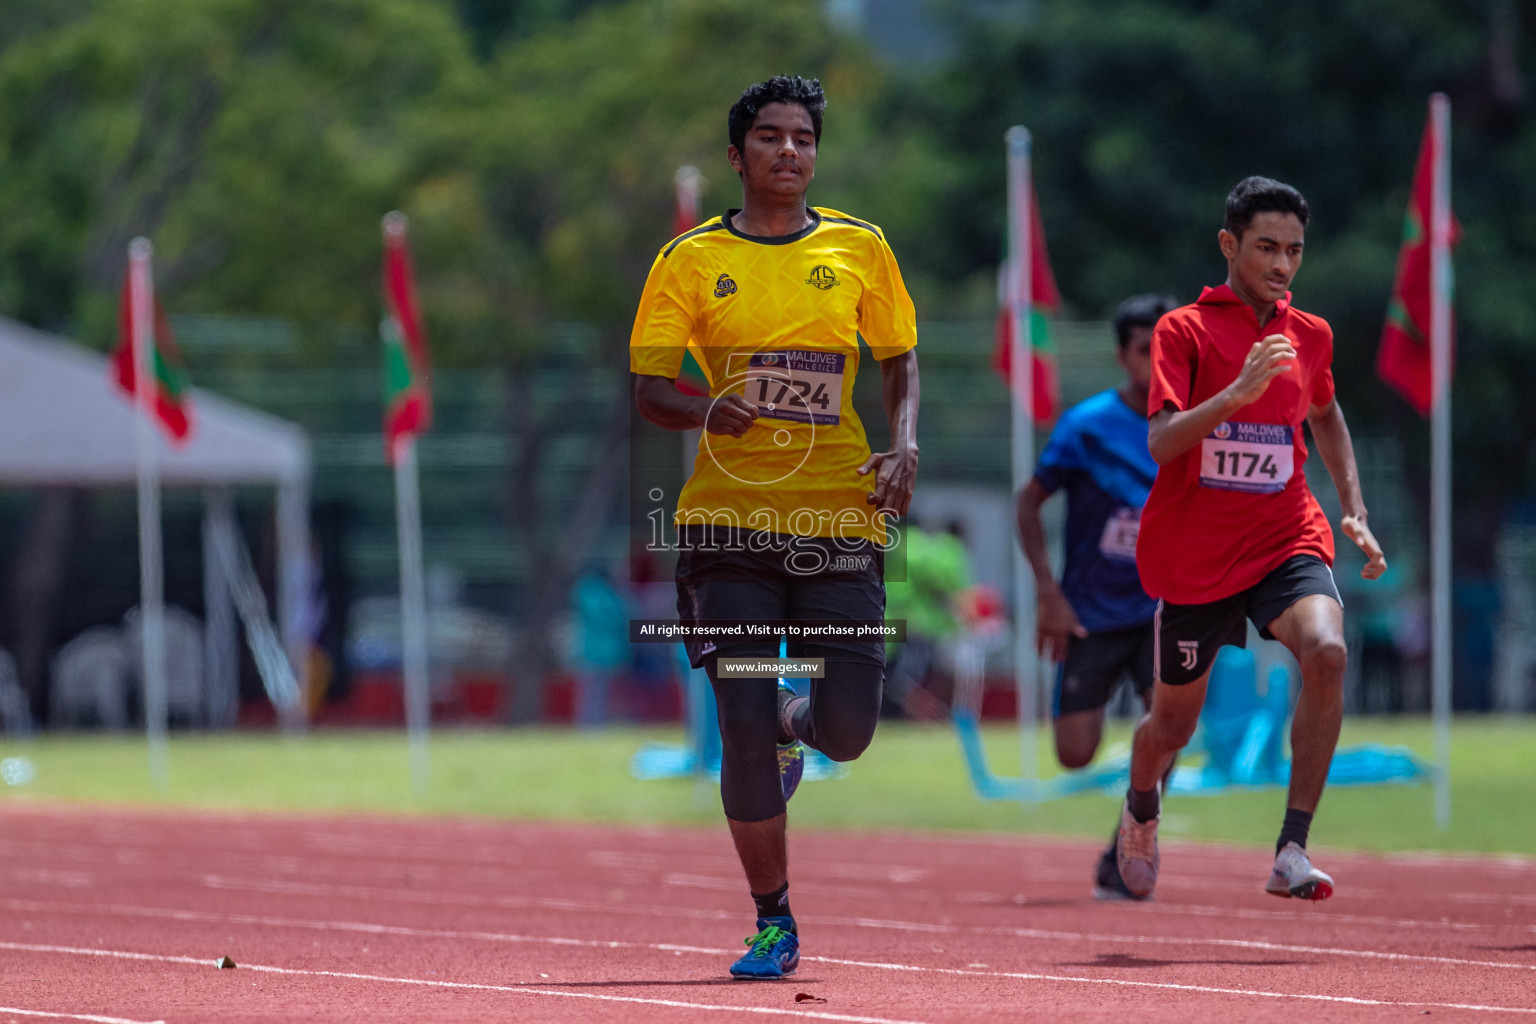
x,y
118,915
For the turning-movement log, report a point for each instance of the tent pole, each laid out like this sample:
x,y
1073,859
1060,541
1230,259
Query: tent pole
x,y
221,664
292,589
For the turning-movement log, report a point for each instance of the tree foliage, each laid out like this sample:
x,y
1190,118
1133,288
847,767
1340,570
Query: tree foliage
x,y
255,141
533,143
1145,113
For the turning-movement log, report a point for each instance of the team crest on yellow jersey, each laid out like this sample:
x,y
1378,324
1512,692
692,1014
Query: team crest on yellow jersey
x,y
724,286
822,277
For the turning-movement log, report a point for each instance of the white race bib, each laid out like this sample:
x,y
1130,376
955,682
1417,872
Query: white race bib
x,y
1254,457
806,387
1119,538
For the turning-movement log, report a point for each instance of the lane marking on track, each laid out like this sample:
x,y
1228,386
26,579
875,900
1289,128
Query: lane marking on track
x,y
370,893
1314,997
363,927
873,923
877,965
424,859
371,833
726,883
265,920
468,986
97,1018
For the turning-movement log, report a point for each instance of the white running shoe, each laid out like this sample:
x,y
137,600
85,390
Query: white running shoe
x,y
1136,854
1295,876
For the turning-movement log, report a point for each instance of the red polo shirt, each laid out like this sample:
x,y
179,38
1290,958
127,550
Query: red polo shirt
x,y
1230,510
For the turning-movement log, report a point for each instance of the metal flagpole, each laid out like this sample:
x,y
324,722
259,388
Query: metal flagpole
x,y
1440,451
1021,383
413,611
141,299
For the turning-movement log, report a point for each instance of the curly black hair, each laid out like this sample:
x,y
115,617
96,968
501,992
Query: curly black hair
x,y
1261,195
778,89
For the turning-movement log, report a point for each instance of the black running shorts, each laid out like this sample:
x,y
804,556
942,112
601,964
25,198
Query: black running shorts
x,y
1189,635
747,574
1095,664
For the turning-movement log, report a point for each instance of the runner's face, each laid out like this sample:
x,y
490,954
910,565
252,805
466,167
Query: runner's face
x,y
1136,357
1264,261
778,155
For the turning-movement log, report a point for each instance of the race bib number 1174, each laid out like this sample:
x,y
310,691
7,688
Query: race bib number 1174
x,y
1255,457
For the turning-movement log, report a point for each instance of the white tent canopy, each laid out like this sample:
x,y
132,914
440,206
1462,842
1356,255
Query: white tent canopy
x,y
64,421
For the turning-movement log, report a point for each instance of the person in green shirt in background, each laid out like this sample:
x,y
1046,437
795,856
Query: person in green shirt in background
x,y
938,570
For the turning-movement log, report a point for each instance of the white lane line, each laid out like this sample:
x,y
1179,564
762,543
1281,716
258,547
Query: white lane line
x,y
1174,940
427,863
97,1018
370,834
264,920
456,985
363,927
1128,983
372,893
423,857
905,968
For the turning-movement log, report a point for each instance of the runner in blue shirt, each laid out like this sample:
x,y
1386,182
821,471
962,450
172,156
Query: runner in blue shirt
x,y
1098,621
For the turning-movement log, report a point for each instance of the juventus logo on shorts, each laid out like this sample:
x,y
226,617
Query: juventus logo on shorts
x,y
1189,652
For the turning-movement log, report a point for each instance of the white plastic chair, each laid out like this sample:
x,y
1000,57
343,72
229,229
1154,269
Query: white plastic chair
x,y
90,680
185,696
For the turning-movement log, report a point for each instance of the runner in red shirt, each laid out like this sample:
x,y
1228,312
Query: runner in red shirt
x,y
1230,530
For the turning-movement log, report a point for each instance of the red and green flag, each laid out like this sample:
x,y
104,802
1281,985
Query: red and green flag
x,y
1403,360
169,376
1044,303
407,377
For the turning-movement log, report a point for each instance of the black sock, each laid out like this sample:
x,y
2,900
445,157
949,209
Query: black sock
x,y
775,904
1295,828
1144,805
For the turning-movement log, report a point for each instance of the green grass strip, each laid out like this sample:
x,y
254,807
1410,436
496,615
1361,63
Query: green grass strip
x,y
911,778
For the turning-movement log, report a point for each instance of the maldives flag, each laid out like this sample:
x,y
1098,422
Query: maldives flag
x,y
1044,303
691,380
169,378
1403,360
407,378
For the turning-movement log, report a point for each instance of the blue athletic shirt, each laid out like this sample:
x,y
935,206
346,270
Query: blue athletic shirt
x,y
1098,452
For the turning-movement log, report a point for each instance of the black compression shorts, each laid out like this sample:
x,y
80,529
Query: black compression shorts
x,y
1096,663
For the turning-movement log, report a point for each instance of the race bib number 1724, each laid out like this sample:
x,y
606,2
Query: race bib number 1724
x,y
806,387
1254,457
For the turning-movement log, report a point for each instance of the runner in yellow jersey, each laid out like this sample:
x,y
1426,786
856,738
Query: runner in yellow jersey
x,y
782,517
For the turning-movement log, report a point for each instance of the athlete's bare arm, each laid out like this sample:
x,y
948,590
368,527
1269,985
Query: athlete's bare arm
x,y
660,402
1330,434
1171,433
1055,621
896,470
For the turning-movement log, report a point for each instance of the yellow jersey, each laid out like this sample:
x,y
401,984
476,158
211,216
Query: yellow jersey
x,y
777,321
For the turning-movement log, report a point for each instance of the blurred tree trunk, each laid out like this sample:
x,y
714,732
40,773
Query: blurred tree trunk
x,y
37,578
553,558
